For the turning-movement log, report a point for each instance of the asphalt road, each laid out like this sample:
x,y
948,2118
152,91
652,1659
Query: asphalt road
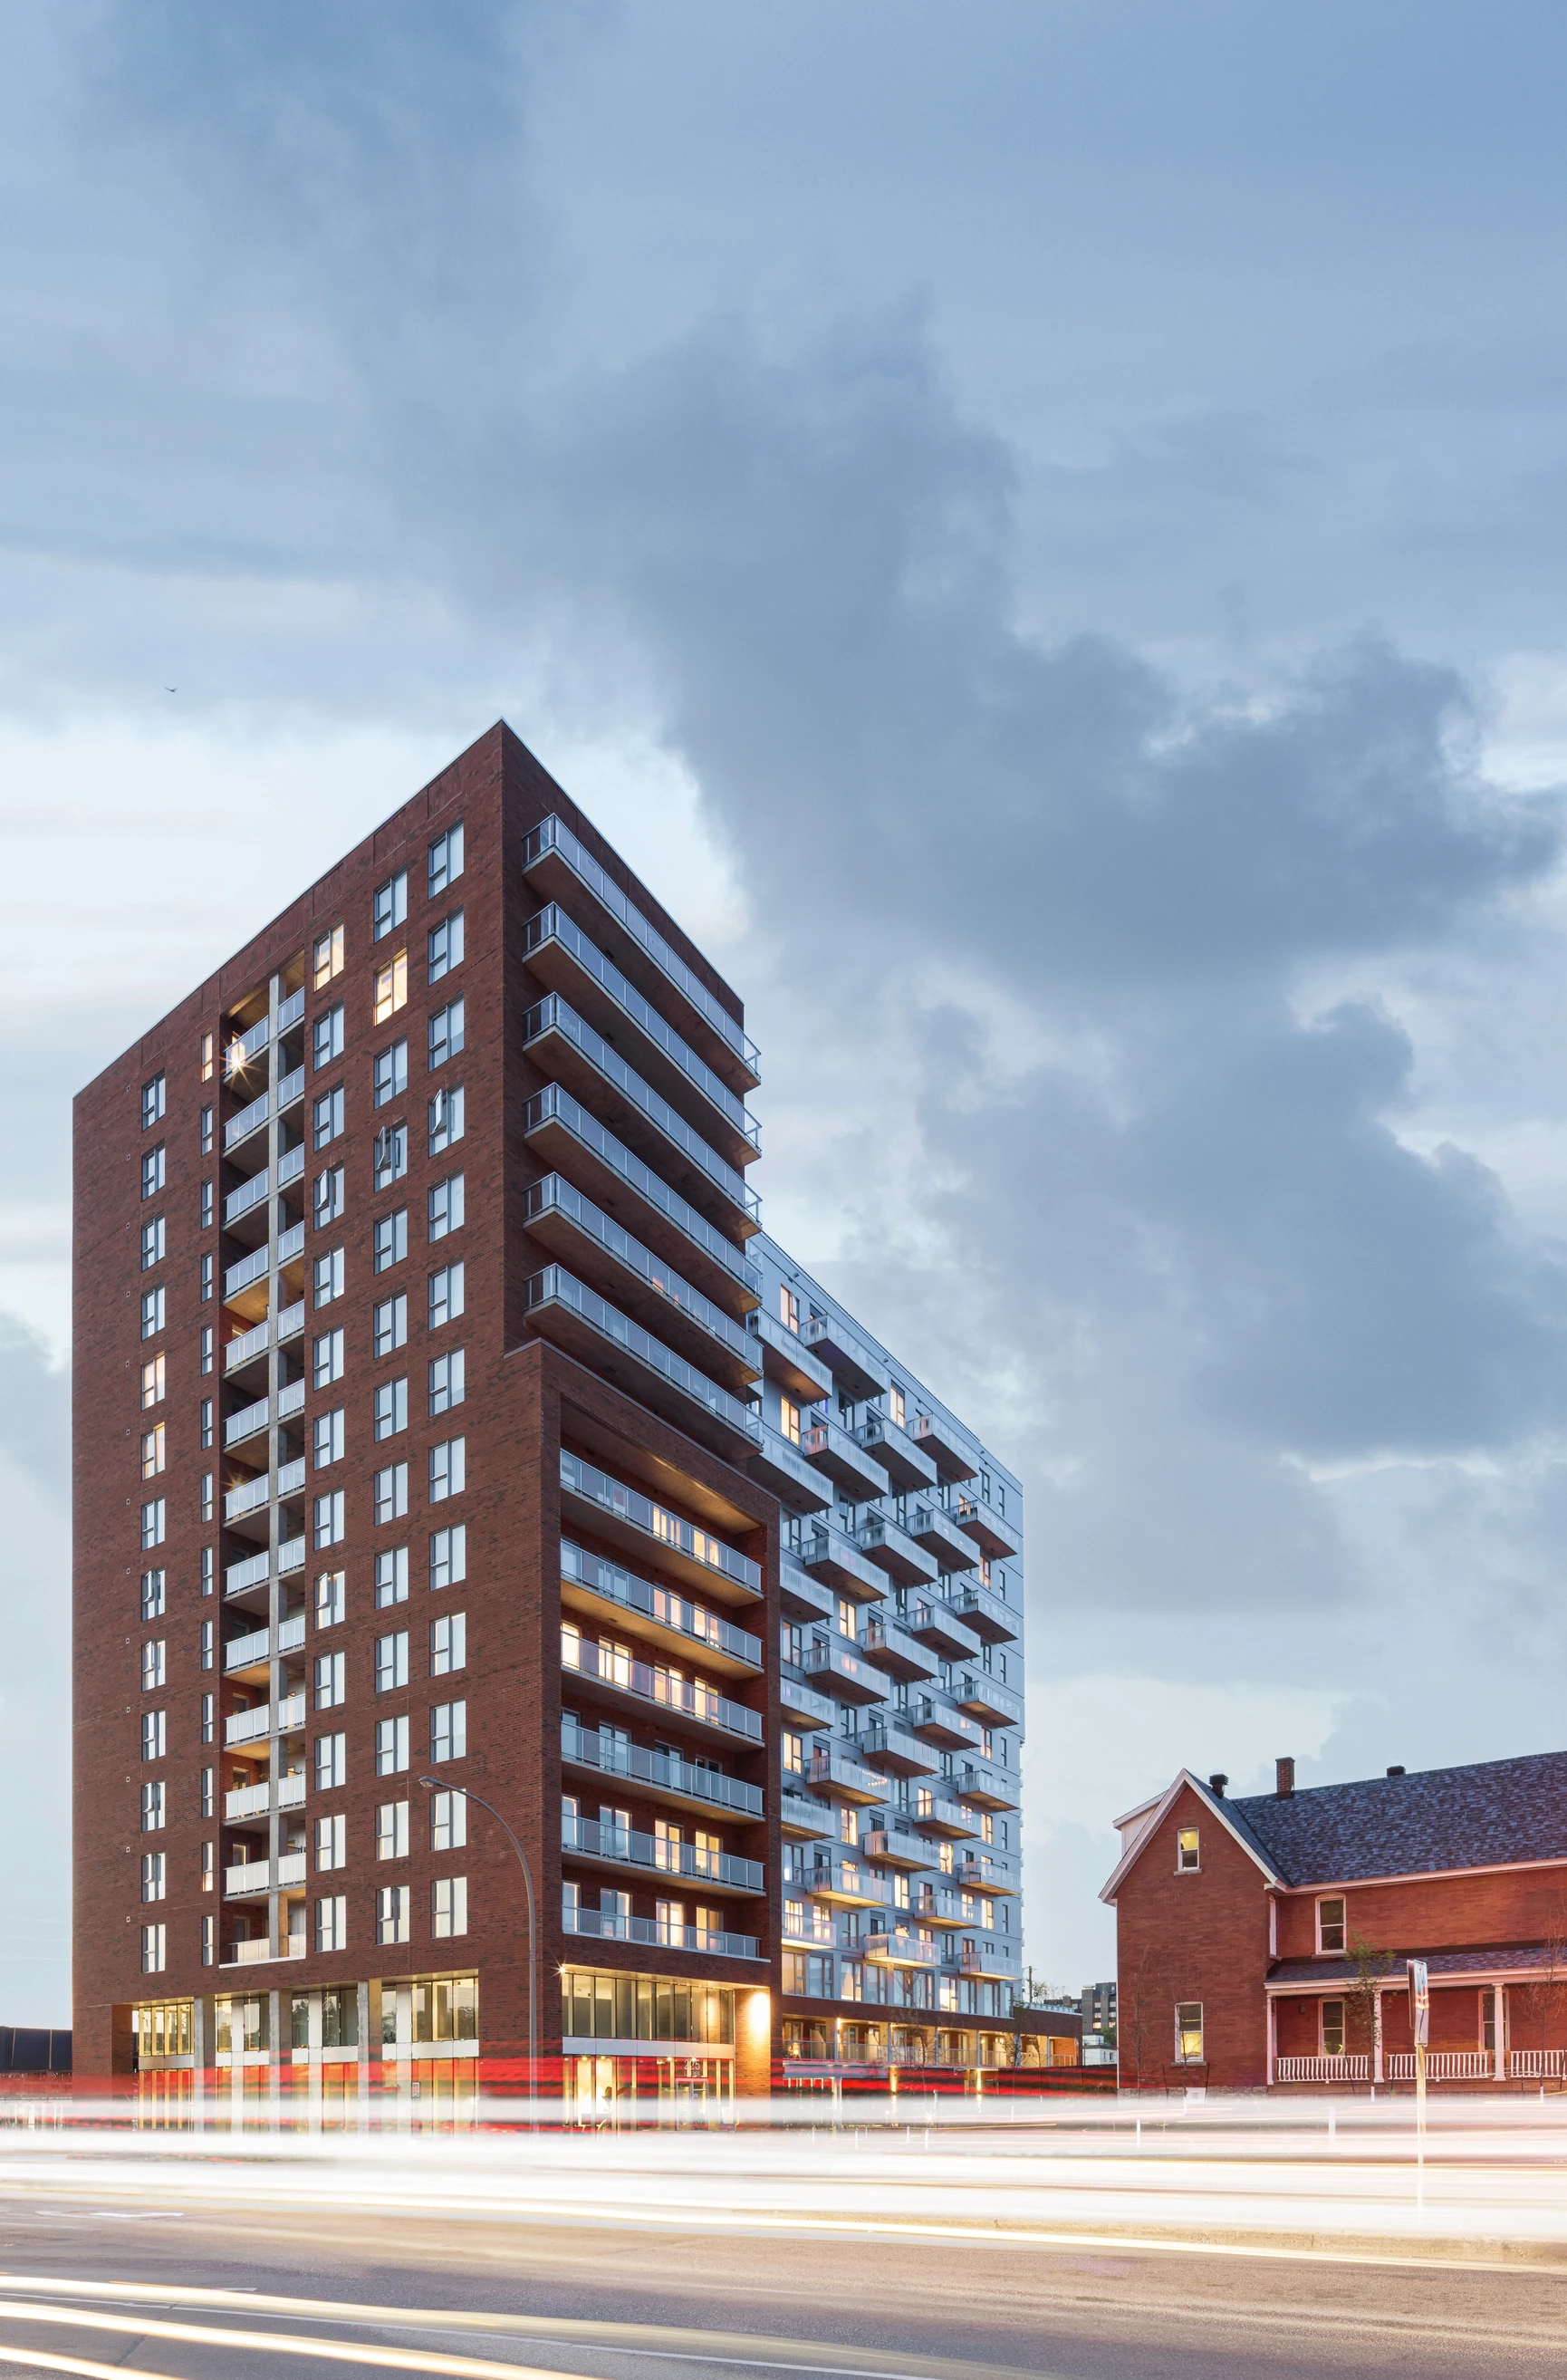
x,y
646,2304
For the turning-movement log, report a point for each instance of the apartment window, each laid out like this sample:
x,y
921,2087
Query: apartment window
x,y
208,1646
154,1944
449,1904
448,1469
391,1746
445,1296
327,1361
446,1033
206,1424
332,1681
152,1312
392,1324
391,1577
332,1597
152,1594
332,1842
151,1807
152,1523
153,1171
445,1206
448,1822
326,958
155,1665
392,1830
391,903
391,1155
789,1309
154,1734
209,1794
153,1102
446,1381
332,1761
328,1437
445,859
329,1529
208,1057
390,1078
331,1922
206,1279
327,1116
152,1451
330,1195
445,1119
392,1492
794,1753
206,1132
1331,1925
1187,1852
209,1857
153,1382
207,1347
448,1730
789,1420
1188,2033
391,1239
208,1717
445,945
152,1243
391,1914
392,1661
328,1035
329,1277
1332,2028
448,1645
207,1206
391,987
391,1408
209,1942
448,1556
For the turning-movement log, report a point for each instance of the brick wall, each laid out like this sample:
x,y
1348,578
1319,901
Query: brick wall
x,y
1185,1937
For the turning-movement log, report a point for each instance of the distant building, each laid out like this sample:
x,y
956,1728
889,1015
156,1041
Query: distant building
x,y
1097,2007
1262,1943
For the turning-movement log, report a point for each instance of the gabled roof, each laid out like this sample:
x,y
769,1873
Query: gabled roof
x,y
1227,1813
1494,1813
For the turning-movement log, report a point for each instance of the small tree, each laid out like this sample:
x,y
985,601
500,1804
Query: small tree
x,y
1146,2018
1548,1993
1361,1997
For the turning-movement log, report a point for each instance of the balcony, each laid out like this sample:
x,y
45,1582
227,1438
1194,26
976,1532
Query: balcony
x,y
604,1254
563,1310
801,1597
242,1577
244,1275
264,1876
250,1496
937,1723
260,1953
588,1582
882,1541
247,1347
290,1088
290,1011
983,1786
559,865
290,1244
945,1821
566,1048
940,1909
893,1650
250,1196
239,1128
565,961
995,1536
604,1925
935,1436
290,1399
803,1928
290,1552
978,1958
985,1614
250,1652
655,1856
834,1772
245,1047
900,1948
890,1847
625,1516
838,1456
929,1618
785,1360
835,1559
686,1698
802,1705
839,1669
845,1884
785,1474
290,1165
247,1423
895,1452
257,1801
665,1774
895,1749
250,1726
981,1875
859,1370
802,1819
564,1134
290,1322
977,1694
953,1549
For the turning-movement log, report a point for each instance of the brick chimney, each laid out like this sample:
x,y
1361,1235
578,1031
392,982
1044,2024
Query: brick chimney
x,y
1216,1783
1284,1773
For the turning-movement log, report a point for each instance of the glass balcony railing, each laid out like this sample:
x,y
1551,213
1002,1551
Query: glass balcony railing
x,y
655,1933
555,1105
555,1285
650,1682
250,1269
239,1128
659,1604
660,1526
250,1195
555,1196
245,1047
592,1838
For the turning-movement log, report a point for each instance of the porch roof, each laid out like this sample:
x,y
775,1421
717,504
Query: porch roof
x,y
1496,1963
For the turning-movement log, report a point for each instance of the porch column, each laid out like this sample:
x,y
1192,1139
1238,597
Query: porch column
x,y
1272,2041
1377,2034
1499,2031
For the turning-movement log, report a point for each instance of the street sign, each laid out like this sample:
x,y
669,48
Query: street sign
x,y
1420,2000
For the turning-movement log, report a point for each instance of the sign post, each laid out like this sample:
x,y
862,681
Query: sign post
x,y
1420,2024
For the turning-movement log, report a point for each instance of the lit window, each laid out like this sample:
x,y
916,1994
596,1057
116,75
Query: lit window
x,y
1188,2033
789,1420
1332,2028
153,1382
326,957
445,945
897,1409
445,861
391,987
1331,1925
208,1058
391,903
1186,1859
152,1451
789,1309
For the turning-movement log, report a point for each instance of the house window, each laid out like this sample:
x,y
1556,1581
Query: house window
x,y
1332,2028
1331,1925
1188,2033
1186,1859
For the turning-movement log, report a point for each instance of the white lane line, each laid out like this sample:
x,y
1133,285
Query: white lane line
x,y
37,2361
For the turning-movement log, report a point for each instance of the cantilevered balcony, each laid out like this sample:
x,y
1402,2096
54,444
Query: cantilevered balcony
x,y
977,1872
938,1723
606,1925
893,1746
249,1119
845,1884
559,865
893,1650
802,1818
784,1472
248,1801
985,1786
802,1705
985,1613
892,1847
803,1597
976,1693
835,1665
859,1370
786,1359
264,1876
895,1454
934,1436
566,1048
645,1285
657,1614
565,1311
838,1562
264,1719
627,1517
994,1535
943,1819
665,1775
837,1453
952,1547
560,955
901,1948
930,1618
811,1928
564,1134
891,1548
833,1771
623,1846
618,1675
965,1958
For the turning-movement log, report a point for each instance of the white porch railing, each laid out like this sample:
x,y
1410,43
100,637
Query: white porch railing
x,y
1537,2065
1355,2066
1441,2066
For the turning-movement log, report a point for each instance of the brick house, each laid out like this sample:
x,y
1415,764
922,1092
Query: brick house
x,y
1262,1942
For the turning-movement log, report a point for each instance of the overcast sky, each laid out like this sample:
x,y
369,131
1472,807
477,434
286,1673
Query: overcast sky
x,y
1038,531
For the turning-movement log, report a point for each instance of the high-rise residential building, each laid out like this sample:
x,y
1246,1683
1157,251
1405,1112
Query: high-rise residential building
x,y
465,1484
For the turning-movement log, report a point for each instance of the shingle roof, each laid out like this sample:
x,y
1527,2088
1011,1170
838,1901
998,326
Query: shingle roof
x,y
1497,1814
1503,1957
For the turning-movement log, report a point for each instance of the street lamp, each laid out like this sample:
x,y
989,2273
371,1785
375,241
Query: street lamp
x,y
442,1785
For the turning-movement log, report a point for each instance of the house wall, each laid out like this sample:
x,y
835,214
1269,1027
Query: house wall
x,y
1193,1936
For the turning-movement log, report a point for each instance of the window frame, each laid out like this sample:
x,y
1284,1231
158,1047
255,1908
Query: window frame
x,y
1188,1838
1184,2030
1326,1949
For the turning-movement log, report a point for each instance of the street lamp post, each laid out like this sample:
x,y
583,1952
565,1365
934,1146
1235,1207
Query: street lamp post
x,y
444,1785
